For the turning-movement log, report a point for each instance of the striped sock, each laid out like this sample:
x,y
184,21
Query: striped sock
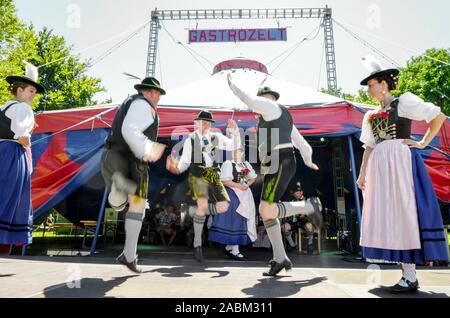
x,y
133,224
274,232
287,209
199,222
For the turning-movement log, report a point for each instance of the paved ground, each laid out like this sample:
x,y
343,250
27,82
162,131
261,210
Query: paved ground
x,y
173,273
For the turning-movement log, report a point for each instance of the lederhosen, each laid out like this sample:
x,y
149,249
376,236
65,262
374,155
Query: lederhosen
x,y
205,181
276,182
117,155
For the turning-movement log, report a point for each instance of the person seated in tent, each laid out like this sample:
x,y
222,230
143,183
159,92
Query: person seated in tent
x,y
165,224
16,126
277,137
236,226
130,145
200,157
303,221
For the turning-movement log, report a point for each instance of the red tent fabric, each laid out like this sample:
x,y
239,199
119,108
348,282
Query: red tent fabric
x,y
67,145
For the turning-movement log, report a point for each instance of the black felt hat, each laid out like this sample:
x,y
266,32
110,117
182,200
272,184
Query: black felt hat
x,y
150,83
267,90
205,115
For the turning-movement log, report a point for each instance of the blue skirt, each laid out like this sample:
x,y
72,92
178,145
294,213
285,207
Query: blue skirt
x,y
432,235
16,216
230,228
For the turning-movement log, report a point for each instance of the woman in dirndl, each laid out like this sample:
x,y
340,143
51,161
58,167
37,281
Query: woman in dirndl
x,y
16,126
401,221
237,226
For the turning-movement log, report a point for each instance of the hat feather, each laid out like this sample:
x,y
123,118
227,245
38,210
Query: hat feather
x,y
371,63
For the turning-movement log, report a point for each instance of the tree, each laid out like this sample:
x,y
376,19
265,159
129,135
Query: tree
x,y
428,78
424,76
67,83
10,25
362,97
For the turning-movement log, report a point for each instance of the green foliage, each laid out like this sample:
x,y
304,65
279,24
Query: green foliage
x,y
428,78
67,83
424,76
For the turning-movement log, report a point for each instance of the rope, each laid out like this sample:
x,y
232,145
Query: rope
x,y
189,50
98,44
98,59
98,116
393,43
368,45
296,47
115,47
287,50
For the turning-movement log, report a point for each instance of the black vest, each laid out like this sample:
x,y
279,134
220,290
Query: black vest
x,y
237,176
267,128
197,166
393,127
235,173
115,138
5,123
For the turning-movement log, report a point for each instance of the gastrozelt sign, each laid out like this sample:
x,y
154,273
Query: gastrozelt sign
x,y
237,35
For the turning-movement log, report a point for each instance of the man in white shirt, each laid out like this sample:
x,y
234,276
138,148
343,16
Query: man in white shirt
x,y
200,157
130,145
277,136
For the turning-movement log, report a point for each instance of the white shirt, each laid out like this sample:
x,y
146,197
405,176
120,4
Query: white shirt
x,y
223,143
22,118
270,110
139,117
226,171
410,106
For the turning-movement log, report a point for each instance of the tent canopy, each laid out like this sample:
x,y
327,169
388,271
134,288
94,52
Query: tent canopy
x,y
67,145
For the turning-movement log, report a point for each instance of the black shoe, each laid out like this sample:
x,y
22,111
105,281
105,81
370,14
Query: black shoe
x,y
226,252
412,287
198,254
131,266
238,257
316,218
309,249
290,248
275,267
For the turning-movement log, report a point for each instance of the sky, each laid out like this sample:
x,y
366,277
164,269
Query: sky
x,y
399,29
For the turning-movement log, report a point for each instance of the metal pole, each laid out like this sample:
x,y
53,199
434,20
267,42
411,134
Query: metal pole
x,y
152,44
101,214
353,169
330,51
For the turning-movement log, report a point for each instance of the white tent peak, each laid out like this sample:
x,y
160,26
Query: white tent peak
x,y
213,92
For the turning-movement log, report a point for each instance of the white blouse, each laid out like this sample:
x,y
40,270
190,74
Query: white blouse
x,y
22,118
139,117
226,171
410,106
223,143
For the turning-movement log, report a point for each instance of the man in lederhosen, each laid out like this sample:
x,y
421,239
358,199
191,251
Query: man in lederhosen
x,y
130,145
200,157
277,137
